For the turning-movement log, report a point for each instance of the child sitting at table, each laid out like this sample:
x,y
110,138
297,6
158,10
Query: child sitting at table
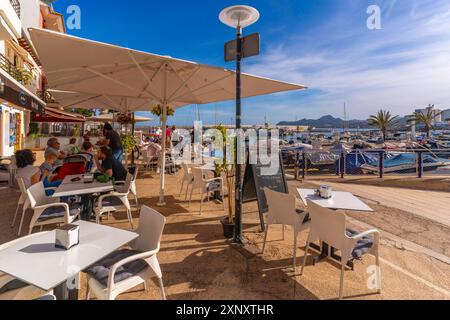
x,y
47,173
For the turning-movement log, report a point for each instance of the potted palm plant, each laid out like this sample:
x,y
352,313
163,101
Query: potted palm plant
x,y
227,168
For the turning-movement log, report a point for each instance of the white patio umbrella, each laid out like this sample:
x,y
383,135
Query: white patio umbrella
x,y
89,67
109,117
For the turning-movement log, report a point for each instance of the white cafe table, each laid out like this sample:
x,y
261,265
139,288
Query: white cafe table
x,y
340,200
208,167
84,190
36,261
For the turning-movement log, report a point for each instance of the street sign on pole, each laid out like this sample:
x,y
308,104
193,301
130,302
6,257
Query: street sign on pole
x,y
250,47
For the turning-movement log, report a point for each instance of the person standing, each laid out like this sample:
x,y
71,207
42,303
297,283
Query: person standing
x,y
113,141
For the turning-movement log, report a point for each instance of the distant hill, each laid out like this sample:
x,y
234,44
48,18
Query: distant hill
x,y
332,122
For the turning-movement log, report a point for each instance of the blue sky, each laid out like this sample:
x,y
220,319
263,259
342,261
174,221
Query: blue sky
x,y
324,44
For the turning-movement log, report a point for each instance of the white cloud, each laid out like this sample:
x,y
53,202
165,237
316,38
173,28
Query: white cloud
x,y
403,66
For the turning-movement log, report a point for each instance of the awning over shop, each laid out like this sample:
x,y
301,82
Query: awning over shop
x,y
11,92
55,115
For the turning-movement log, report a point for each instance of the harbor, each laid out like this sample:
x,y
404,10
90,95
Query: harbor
x,y
246,153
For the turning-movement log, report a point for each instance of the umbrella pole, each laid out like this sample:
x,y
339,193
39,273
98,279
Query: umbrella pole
x,y
132,133
162,162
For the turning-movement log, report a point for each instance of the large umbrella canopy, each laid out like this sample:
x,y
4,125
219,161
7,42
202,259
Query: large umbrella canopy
x,y
65,99
85,66
110,118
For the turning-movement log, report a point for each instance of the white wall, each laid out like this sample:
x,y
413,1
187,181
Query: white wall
x,y
12,20
30,14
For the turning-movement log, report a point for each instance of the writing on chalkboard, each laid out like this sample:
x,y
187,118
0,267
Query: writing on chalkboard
x,y
255,182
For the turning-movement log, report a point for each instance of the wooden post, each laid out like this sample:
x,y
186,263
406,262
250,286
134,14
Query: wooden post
x,y
381,163
420,164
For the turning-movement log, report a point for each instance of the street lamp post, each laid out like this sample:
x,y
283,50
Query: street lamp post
x,y
238,17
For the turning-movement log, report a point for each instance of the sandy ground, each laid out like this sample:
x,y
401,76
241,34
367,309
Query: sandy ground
x,y
198,263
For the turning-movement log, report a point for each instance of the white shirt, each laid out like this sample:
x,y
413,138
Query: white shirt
x,y
26,174
175,136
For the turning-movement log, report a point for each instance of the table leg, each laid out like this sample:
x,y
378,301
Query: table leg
x,y
68,290
87,207
323,249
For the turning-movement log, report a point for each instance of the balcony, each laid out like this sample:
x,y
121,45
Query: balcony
x,y
23,76
16,6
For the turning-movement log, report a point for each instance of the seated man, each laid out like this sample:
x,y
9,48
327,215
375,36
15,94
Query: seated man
x,y
109,165
53,146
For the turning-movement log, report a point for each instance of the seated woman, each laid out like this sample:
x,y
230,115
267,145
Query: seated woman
x,y
29,173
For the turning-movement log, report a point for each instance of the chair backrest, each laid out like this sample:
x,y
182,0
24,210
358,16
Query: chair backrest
x,y
134,172
281,207
197,173
36,195
125,188
152,151
13,163
77,158
151,226
327,225
186,170
22,188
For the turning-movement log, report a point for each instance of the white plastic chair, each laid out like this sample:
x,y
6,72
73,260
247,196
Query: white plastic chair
x,y
149,157
133,188
151,226
40,202
25,293
108,202
12,169
206,186
187,178
282,211
330,227
23,201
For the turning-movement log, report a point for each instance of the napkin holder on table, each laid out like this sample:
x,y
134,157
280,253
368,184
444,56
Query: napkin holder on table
x,y
325,192
88,178
67,236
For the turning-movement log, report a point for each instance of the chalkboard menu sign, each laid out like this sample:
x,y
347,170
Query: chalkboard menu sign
x,y
255,182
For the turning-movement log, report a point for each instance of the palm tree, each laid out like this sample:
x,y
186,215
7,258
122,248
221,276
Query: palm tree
x,y
383,120
427,119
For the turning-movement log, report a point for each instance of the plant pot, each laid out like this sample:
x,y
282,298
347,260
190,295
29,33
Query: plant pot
x,y
228,228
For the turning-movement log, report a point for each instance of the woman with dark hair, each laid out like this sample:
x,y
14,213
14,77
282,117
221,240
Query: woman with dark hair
x,y
29,173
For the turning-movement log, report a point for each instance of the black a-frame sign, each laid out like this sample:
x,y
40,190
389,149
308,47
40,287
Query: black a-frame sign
x,y
255,182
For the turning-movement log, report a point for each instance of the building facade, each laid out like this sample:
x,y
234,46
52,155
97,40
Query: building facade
x,y
445,115
22,81
437,115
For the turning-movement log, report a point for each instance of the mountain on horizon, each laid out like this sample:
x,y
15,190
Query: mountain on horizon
x,y
331,122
